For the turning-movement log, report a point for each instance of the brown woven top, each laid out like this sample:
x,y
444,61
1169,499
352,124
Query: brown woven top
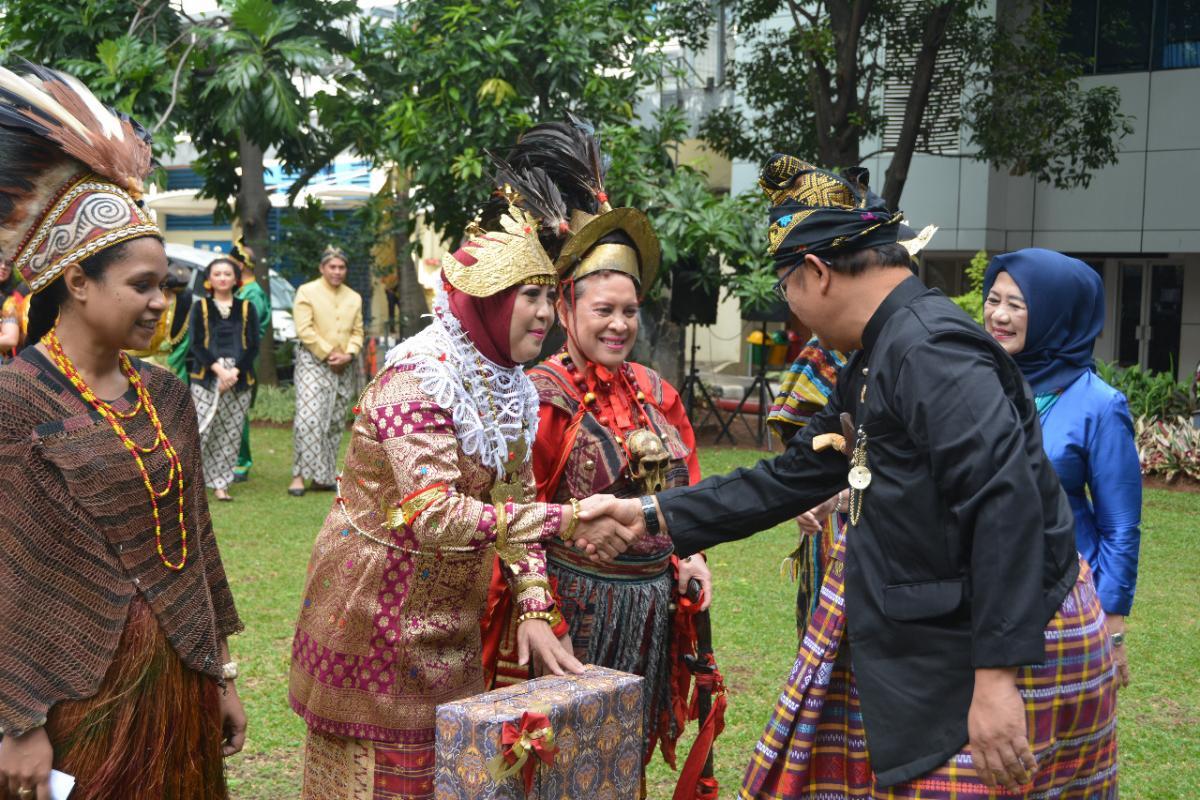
x,y
77,540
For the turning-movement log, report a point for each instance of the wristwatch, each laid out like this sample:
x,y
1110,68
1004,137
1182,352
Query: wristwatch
x,y
1118,639
650,515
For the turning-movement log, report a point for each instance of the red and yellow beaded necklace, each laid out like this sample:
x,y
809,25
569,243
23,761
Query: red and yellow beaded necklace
x,y
174,476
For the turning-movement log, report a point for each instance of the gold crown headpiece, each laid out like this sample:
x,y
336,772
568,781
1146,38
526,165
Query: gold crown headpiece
x,y
492,261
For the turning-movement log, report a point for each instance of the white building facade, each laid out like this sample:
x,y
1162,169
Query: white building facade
x,y
1134,223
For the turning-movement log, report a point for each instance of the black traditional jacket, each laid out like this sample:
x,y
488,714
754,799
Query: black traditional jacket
x,y
965,546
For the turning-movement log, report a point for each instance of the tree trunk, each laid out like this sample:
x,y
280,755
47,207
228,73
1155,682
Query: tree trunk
x,y
408,288
918,100
253,206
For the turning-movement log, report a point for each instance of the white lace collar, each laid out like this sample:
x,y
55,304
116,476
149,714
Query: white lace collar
x,y
462,382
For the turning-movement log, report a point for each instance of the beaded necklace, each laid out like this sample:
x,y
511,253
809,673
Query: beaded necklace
x,y
623,380
175,476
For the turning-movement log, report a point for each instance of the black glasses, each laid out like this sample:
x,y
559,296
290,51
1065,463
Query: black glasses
x,y
780,289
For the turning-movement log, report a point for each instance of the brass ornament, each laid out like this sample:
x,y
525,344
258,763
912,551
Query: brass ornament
x,y
582,256
648,460
508,257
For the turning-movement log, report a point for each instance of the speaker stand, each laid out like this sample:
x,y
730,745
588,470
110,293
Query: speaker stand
x,y
762,387
693,386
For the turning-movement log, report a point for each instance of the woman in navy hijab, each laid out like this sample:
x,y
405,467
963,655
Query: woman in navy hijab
x,y
1046,310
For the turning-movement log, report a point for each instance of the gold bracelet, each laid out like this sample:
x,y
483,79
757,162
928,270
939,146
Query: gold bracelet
x,y
573,525
552,617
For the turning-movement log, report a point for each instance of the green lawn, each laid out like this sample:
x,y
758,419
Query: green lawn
x,y
265,538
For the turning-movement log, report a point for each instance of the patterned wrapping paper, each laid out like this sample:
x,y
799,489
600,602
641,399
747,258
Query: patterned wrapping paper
x,y
597,723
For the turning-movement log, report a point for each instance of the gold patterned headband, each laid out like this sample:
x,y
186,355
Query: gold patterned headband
x,y
87,215
492,261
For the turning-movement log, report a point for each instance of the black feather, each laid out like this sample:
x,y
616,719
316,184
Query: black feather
x,y
567,153
539,196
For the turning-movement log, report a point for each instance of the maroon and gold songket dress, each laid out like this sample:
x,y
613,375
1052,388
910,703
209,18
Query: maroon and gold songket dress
x,y
389,624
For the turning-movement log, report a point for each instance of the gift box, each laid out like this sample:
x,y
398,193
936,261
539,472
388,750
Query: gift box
x,y
581,733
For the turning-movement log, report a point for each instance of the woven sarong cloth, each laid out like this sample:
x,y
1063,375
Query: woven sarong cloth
x,y
222,414
359,769
323,398
812,747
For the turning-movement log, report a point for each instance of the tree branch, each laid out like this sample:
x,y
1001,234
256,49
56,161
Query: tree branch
x,y
174,87
918,100
800,11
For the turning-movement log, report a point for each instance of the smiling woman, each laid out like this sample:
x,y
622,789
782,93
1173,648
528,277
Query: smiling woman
x,y
114,606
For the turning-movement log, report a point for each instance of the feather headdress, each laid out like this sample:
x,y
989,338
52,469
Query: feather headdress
x,y
71,174
533,190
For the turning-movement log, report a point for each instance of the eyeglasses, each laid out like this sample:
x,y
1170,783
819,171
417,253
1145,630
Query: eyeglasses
x,y
780,287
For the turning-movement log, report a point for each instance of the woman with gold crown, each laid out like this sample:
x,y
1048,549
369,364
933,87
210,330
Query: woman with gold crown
x,y
114,607
437,480
607,426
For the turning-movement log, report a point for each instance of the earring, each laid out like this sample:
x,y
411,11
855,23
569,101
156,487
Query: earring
x,y
208,285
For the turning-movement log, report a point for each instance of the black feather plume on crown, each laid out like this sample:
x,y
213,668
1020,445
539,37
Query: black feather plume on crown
x,y
569,153
536,192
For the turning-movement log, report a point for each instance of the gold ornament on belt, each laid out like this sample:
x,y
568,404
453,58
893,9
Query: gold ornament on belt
x,y
648,460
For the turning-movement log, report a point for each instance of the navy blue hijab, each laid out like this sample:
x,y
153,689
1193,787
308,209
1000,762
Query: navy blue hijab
x,y
1064,298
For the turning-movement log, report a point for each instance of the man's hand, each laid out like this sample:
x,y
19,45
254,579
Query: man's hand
x,y
25,763
1116,624
549,654
813,520
607,526
696,567
999,740
233,721
337,361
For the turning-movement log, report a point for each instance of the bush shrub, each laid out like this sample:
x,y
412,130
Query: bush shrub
x,y
276,404
1154,395
1168,447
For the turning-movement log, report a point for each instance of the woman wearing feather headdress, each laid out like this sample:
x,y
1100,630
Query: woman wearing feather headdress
x,y
437,480
114,607
607,426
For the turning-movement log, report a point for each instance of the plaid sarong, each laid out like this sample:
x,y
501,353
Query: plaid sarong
x,y
811,748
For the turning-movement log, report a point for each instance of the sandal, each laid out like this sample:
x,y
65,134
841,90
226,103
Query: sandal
x,y
296,492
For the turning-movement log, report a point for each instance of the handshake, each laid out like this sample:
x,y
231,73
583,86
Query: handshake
x,y
607,526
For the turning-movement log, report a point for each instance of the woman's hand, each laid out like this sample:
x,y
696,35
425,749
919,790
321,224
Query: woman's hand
x,y
1116,624
226,377
233,721
549,653
696,567
25,763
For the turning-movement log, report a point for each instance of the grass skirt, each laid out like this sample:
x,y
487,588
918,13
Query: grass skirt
x,y
151,732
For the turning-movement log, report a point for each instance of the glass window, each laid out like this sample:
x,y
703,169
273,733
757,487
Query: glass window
x,y
1177,34
1080,35
1124,36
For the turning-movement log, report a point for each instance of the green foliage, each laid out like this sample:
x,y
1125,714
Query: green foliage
x,y
307,230
1169,447
274,404
809,88
1153,395
448,80
122,49
972,301
245,89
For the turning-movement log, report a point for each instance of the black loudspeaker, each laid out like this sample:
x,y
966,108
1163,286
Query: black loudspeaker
x,y
776,311
692,303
